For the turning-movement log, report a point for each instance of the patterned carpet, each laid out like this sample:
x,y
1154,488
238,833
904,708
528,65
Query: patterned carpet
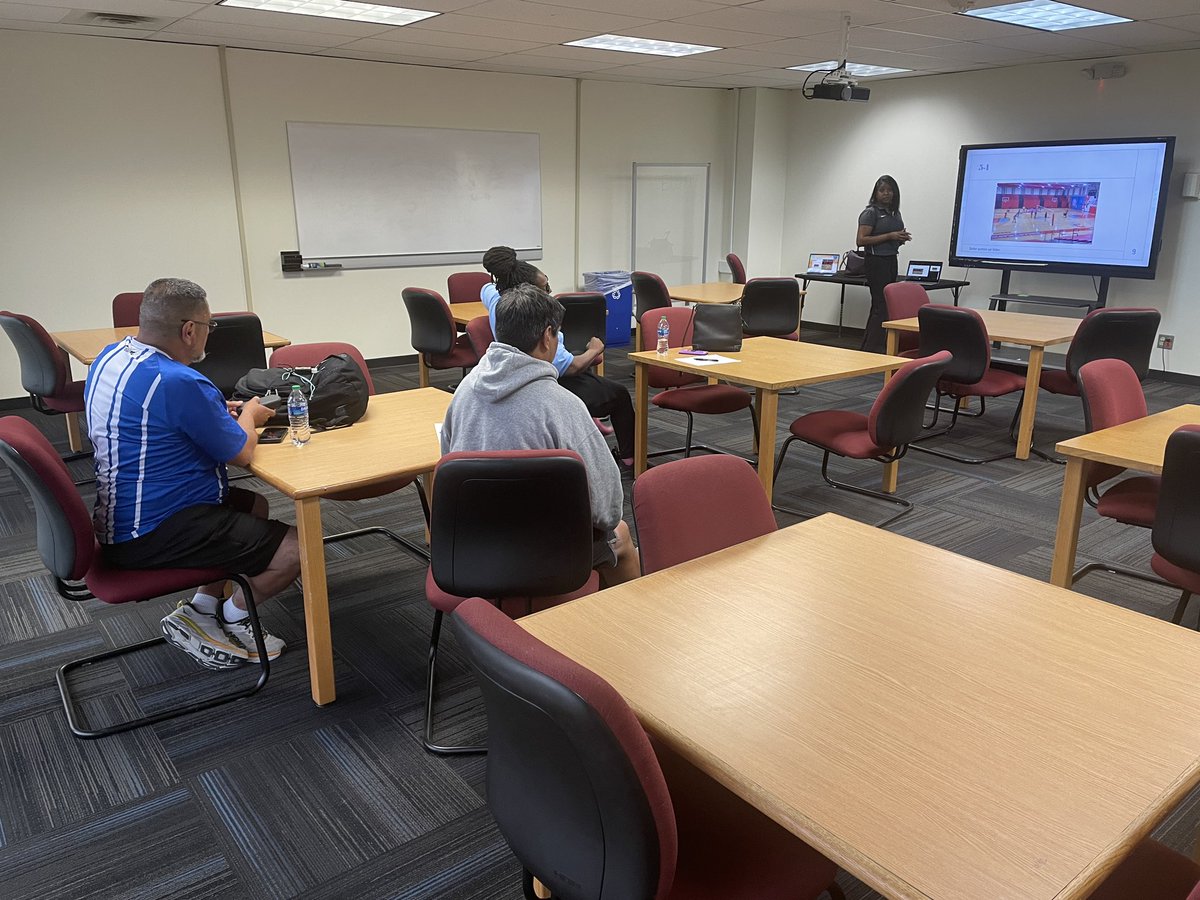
x,y
276,798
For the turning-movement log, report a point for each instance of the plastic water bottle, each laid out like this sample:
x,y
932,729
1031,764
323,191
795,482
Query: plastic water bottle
x,y
664,336
298,417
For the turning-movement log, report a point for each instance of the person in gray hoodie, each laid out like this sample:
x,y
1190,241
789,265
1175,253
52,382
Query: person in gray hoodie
x,y
512,401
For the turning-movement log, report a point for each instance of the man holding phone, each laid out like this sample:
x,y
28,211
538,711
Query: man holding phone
x,y
163,435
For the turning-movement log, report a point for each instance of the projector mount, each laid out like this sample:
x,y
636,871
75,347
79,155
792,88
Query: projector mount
x,y
836,83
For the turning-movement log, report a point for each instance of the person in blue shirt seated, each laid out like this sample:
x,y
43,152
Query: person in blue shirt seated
x,y
163,435
602,396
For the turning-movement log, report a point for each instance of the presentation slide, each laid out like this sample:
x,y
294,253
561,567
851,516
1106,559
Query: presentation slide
x,y
1083,204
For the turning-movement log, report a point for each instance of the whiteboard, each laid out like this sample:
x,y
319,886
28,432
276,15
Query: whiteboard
x,y
670,220
392,195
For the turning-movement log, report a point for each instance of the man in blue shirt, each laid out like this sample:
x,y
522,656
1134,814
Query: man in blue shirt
x,y
163,435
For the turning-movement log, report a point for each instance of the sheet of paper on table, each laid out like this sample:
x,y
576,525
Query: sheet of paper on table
x,y
711,360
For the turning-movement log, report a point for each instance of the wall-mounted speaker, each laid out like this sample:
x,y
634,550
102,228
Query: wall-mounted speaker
x,y
1191,185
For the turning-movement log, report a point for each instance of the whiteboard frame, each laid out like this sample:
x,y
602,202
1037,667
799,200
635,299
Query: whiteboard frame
x,y
707,167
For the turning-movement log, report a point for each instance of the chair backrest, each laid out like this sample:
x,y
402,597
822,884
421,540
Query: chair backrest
x,y
904,300
432,323
313,354
960,330
572,780
649,292
45,371
1112,395
771,306
736,268
585,316
679,318
898,412
65,539
464,287
126,308
511,523
691,507
479,333
1113,333
234,348
1176,534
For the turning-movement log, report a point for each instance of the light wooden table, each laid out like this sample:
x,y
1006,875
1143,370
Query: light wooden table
x,y
465,312
1139,445
938,727
1035,332
708,292
86,345
396,438
769,365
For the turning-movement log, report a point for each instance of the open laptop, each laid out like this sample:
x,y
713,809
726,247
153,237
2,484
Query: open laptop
x,y
924,271
823,263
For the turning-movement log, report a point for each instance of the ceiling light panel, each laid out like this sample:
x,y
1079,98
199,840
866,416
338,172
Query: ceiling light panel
x,y
337,9
1046,15
860,70
624,44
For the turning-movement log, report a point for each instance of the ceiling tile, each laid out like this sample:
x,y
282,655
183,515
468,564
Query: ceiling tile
x,y
861,12
1182,23
554,64
231,15
425,51
695,34
955,28
499,30
1139,35
741,18
1049,44
751,56
811,49
229,34
555,16
972,51
25,12
694,66
224,41
882,39
409,35
645,9
1140,9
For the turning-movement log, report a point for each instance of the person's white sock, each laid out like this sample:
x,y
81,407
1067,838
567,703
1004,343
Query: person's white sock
x,y
205,603
231,612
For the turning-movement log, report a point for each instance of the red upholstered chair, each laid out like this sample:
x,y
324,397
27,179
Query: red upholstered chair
x,y
904,300
883,434
67,545
479,333
771,308
45,370
434,335
1176,534
961,331
1151,871
465,287
592,809
1112,395
1109,333
531,557
669,529
311,355
126,308
685,393
736,268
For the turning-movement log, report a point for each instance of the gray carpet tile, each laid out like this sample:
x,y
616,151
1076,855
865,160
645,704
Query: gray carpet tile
x,y
275,797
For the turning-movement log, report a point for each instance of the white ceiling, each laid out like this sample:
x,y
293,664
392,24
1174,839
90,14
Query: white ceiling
x,y
761,37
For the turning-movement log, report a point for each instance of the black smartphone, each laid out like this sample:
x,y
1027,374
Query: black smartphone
x,y
273,435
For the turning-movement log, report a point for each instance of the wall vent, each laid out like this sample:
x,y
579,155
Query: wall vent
x,y
117,20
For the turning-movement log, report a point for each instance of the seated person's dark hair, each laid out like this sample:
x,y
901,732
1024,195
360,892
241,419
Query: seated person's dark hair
x,y
523,315
508,271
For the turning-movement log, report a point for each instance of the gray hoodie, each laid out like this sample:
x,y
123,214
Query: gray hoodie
x,y
511,401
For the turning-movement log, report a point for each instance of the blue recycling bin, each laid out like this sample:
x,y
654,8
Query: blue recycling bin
x,y
617,288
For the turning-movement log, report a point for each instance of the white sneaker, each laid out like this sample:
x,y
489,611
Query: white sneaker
x,y
241,632
201,637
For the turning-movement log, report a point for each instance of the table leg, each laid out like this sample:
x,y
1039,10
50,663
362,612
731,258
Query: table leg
x,y
316,600
1070,512
540,890
891,475
422,371
1029,405
74,434
841,309
641,402
768,412
893,344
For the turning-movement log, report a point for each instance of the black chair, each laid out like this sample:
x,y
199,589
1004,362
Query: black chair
x,y
736,269
1176,534
435,337
595,811
961,330
585,316
67,545
529,561
1109,333
771,308
234,347
884,434
649,292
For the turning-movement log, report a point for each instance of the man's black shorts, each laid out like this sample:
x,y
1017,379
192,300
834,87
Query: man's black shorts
x,y
206,536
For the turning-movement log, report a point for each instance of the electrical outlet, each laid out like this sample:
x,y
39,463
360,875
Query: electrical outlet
x,y
1166,341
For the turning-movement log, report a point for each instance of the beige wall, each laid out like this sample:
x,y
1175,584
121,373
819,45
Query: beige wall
x,y
912,129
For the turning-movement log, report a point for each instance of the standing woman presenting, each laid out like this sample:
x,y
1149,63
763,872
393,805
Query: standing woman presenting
x,y
880,232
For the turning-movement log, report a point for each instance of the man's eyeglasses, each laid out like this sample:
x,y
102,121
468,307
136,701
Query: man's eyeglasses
x,y
212,324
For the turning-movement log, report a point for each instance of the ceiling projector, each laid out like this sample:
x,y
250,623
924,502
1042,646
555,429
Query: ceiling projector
x,y
839,90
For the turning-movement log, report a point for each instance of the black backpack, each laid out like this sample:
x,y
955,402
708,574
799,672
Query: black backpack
x,y
336,390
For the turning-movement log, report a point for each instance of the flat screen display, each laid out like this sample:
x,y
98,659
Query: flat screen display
x,y
1092,207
